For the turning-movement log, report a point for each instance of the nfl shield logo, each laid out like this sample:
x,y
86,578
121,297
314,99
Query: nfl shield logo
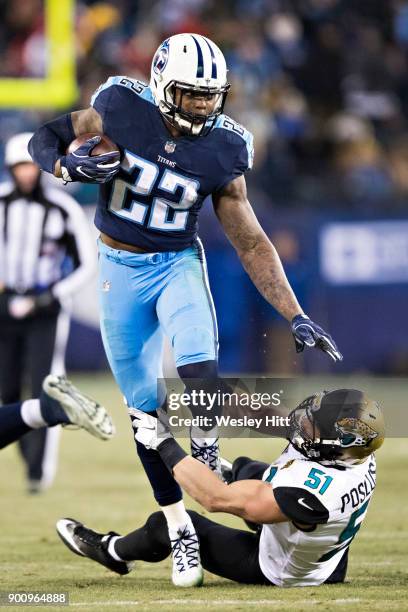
x,y
170,146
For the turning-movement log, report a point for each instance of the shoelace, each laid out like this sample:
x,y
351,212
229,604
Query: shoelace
x,y
185,549
92,537
206,454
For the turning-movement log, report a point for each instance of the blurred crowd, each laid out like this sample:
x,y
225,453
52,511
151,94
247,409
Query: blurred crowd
x,y
322,84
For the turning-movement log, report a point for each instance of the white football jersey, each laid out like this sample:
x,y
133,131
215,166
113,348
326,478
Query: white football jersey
x,y
332,500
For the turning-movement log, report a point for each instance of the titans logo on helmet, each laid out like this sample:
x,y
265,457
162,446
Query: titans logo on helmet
x,y
161,58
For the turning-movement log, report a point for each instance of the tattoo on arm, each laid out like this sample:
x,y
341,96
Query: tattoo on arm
x,y
87,120
256,252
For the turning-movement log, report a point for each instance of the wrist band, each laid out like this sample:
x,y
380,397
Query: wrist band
x,y
171,453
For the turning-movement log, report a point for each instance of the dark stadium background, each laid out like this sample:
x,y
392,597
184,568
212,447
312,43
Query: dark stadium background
x,y
323,85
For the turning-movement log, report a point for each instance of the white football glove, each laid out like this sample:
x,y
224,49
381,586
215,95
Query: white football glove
x,y
149,429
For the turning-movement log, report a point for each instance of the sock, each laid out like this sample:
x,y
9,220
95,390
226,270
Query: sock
x,y
51,410
12,424
31,414
148,543
165,489
111,548
176,515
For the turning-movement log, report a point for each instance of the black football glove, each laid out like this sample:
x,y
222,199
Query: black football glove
x,y
307,333
82,166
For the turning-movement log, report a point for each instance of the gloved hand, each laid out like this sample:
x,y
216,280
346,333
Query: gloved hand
x,y
308,333
82,166
149,429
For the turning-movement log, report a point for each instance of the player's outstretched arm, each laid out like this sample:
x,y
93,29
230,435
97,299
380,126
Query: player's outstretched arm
x,y
255,250
252,500
262,262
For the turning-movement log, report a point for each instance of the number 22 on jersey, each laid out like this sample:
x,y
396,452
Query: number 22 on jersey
x,y
157,214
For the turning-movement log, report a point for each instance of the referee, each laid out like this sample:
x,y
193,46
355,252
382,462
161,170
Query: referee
x,y
46,255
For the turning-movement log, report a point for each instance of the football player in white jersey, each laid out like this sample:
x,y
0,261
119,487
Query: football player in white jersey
x,y
306,507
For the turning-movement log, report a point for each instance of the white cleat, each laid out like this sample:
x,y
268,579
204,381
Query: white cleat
x,y
224,470
80,409
187,569
206,450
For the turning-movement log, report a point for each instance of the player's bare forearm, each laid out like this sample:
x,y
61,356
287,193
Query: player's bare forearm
x,y
83,121
252,500
256,252
265,269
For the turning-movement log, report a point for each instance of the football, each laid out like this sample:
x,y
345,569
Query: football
x,y
105,146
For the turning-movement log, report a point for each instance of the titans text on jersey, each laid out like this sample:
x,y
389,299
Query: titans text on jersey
x,y
154,201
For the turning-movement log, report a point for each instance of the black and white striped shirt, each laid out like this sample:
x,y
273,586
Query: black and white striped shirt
x,y
37,234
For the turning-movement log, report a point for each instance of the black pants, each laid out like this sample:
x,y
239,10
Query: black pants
x,y
27,347
230,553
226,552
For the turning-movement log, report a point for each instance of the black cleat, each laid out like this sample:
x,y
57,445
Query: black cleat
x,y
87,543
225,470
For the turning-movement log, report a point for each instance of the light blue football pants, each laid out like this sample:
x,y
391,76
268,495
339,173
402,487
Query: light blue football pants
x,y
144,297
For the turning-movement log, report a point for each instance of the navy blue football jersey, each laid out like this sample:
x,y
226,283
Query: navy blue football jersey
x,y
154,200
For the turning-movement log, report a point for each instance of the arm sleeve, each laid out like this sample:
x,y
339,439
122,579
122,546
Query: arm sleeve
x,y
50,141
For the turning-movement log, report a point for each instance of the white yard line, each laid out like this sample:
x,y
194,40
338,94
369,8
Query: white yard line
x,y
212,603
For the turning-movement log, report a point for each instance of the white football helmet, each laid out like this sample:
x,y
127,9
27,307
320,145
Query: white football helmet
x,y
17,149
194,64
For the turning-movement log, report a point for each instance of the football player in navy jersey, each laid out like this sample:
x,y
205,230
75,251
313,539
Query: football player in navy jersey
x,y
177,147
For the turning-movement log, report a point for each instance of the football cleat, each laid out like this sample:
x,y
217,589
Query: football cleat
x,y
87,543
225,470
206,450
80,409
185,550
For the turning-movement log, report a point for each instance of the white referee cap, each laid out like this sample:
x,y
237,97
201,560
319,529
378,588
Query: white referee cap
x,y
16,149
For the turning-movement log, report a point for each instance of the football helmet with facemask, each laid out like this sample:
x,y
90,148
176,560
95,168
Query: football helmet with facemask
x,y
340,427
189,65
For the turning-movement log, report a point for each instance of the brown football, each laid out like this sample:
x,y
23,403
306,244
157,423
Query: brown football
x,y
105,146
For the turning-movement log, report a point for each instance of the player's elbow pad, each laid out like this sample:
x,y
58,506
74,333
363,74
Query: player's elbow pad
x,y
50,141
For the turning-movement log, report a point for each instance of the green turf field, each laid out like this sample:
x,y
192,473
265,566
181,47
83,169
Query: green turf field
x,y
102,484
